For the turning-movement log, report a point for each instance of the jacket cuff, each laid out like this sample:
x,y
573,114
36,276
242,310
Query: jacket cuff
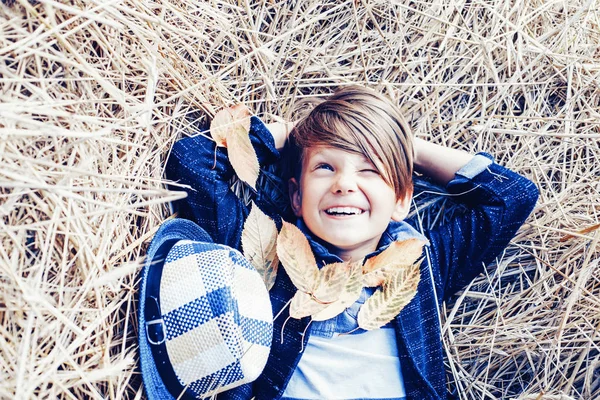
x,y
477,165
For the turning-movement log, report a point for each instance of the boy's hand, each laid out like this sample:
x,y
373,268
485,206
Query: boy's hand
x,y
280,132
438,162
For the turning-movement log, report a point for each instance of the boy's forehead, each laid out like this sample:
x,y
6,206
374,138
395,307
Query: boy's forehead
x,y
324,151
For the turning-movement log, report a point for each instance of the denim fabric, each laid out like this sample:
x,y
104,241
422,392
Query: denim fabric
x,y
498,201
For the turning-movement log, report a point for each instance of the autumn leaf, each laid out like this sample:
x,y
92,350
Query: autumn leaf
x,y
230,128
328,287
303,305
348,295
325,293
259,240
317,289
297,258
227,120
242,157
330,282
399,254
397,291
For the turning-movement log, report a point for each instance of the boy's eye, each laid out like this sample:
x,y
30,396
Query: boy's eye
x,y
324,166
370,170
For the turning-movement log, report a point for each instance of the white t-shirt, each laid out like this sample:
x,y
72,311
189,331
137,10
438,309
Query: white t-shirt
x,y
358,366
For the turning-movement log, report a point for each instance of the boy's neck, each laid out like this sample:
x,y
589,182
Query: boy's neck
x,y
351,255
354,254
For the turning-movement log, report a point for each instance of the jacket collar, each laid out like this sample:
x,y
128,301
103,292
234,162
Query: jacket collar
x,y
396,231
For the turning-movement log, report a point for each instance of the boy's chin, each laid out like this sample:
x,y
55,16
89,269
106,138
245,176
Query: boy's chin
x,y
346,249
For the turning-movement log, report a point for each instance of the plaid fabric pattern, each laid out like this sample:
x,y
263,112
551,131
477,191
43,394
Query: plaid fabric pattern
x,y
218,329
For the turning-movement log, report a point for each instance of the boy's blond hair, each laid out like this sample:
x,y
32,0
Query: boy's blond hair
x,y
362,121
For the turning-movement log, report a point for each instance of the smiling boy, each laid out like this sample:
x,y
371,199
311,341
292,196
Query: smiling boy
x,y
344,201
350,164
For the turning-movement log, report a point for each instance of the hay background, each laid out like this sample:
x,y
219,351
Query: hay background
x,y
94,93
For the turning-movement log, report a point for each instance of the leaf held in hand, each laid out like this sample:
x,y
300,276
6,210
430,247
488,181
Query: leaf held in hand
x,y
228,120
242,157
397,291
297,258
259,241
230,128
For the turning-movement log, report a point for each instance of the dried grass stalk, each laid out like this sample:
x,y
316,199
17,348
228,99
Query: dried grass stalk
x,y
94,93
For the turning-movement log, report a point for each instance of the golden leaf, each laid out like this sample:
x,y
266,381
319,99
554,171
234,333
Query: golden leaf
x,y
329,285
242,157
297,258
303,305
230,128
348,295
228,120
387,302
330,282
400,254
259,240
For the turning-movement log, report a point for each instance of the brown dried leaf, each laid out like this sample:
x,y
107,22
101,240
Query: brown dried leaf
x,y
242,157
386,303
328,287
259,240
330,282
228,120
303,305
230,128
403,253
349,294
375,278
297,258
398,255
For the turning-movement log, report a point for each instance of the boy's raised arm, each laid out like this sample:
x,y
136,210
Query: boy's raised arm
x,y
438,162
497,202
205,172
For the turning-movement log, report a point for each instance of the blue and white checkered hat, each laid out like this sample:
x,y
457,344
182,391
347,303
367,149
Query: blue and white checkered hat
x,y
205,318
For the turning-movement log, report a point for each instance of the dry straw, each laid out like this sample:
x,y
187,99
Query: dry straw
x,y
94,93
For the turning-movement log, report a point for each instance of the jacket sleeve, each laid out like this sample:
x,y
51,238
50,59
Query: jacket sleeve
x,y
204,169
498,201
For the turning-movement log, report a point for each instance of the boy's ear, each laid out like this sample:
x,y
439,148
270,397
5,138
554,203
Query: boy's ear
x,y
402,207
295,197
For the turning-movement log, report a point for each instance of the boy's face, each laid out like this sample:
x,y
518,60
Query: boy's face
x,y
344,201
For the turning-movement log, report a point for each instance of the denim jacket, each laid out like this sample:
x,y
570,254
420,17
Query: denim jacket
x,y
497,201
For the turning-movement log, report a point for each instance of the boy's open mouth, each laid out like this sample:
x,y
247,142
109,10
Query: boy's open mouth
x,y
339,211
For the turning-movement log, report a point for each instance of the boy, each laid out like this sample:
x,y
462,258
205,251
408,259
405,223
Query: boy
x,y
349,164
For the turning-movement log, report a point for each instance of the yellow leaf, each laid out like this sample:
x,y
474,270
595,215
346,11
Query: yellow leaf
x,y
303,305
400,254
259,240
297,258
375,278
330,282
348,295
397,291
230,128
228,120
242,157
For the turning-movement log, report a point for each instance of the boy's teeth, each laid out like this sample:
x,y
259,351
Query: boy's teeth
x,y
344,210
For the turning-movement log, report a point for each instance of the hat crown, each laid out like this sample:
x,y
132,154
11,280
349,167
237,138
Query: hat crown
x,y
216,316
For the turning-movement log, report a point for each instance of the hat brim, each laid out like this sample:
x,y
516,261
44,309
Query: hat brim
x,y
167,235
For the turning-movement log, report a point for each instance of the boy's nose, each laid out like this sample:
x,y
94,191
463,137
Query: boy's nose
x,y
345,183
